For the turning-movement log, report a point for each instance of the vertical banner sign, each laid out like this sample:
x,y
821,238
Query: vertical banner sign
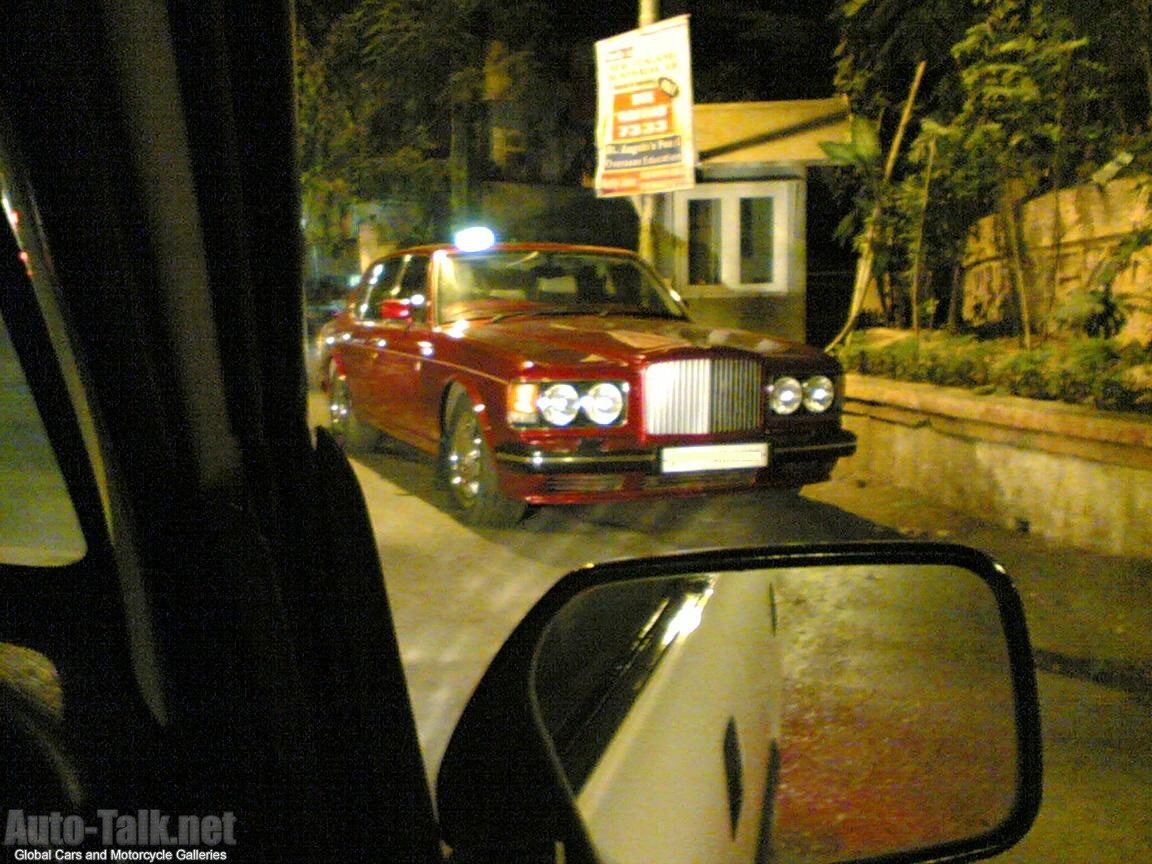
x,y
644,118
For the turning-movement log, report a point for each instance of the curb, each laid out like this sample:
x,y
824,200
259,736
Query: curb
x,y
1131,678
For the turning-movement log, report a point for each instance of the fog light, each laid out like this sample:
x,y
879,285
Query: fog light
x,y
522,404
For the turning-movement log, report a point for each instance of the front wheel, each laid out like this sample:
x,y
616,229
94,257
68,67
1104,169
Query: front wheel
x,y
351,433
471,472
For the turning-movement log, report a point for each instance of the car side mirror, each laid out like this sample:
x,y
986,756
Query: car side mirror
x,y
395,310
817,705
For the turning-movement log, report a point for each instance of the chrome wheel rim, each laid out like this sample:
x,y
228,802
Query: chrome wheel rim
x,y
464,458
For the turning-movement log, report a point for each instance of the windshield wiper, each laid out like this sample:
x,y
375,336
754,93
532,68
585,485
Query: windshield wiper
x,y
633,312
600,312
544,310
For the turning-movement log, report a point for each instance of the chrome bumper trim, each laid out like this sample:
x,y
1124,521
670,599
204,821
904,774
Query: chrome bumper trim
x,y
551,461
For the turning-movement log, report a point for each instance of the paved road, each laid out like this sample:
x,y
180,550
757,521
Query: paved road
x,y
457,592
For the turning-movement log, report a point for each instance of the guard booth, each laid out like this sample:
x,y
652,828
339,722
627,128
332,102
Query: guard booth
x,y
734,246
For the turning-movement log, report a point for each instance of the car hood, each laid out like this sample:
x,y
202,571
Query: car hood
x,y
620,340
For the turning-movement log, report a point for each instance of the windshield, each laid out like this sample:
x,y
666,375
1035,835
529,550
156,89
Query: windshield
x,y
505,283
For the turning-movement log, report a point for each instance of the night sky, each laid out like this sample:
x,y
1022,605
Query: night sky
x,y
732,61
790,58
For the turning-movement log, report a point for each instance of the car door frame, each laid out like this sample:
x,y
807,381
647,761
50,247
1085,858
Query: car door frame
x,y
210,643
409,345
367,340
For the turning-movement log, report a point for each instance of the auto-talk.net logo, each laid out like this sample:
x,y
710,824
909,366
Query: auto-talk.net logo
x,y
140,835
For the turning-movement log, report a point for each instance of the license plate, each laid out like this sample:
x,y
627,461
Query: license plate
x,y
714,457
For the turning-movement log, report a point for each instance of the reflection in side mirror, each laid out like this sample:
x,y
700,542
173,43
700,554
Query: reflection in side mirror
x,y
802,715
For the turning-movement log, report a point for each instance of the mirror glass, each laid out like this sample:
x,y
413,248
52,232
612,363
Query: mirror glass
x,y
801,716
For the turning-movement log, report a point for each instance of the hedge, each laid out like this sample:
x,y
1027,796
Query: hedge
x,y
1102,373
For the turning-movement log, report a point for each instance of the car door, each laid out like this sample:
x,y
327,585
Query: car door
x,y
361,353
407,347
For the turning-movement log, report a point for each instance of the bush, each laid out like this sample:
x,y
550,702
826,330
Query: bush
x,y
1079,370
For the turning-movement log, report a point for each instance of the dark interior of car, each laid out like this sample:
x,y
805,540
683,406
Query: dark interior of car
x,y
211,654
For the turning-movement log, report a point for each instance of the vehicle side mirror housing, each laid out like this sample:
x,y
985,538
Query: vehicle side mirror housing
x,y
395,310
816,704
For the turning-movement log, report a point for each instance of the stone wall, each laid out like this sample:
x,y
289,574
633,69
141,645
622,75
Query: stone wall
x,y
1066,234
1074,476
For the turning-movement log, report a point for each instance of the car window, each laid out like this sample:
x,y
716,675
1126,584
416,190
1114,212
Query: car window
x,y
414,285
401,278
377,283
38,523
471,283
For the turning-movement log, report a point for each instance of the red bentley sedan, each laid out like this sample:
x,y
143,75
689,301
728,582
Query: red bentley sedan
x,y
556,374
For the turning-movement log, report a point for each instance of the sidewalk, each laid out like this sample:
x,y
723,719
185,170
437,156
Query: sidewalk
x,y
1090,615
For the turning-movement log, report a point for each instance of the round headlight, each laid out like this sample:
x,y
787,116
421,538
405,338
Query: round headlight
x,y
787,394
819,393
559,404
603,403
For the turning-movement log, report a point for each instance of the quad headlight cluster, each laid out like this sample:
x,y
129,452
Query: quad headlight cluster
x,y
816,394
567,403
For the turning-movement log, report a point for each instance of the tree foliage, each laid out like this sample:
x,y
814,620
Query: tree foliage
x,y
355,147
1018,100
388,91
882,41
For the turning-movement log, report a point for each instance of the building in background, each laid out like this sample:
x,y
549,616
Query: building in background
x,y
735,246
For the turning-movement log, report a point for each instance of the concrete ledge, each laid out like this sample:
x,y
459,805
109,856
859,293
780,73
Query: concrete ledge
x,y
1072,475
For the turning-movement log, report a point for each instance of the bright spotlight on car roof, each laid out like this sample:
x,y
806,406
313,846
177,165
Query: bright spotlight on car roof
x,y
475,239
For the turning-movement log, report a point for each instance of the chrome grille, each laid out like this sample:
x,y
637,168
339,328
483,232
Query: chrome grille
x,y
701,396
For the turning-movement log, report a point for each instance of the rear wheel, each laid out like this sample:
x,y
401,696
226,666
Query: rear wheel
x,y
351,433
471,472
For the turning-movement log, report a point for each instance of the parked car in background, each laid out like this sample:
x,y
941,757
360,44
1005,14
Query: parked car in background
x,y
557,374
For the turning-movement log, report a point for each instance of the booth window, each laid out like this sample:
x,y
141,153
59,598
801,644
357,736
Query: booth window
x,y
756,240
704,241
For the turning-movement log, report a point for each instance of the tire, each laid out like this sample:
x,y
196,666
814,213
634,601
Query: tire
x,y
470,472
352,434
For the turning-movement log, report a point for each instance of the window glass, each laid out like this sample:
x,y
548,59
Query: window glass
x,y
415,279
414,285
378,282
485,284
756,241
703,241
38,524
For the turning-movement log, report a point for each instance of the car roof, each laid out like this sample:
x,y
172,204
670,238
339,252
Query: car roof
x,y
525,246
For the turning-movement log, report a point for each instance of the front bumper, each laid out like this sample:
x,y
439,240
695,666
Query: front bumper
x,y
589,472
